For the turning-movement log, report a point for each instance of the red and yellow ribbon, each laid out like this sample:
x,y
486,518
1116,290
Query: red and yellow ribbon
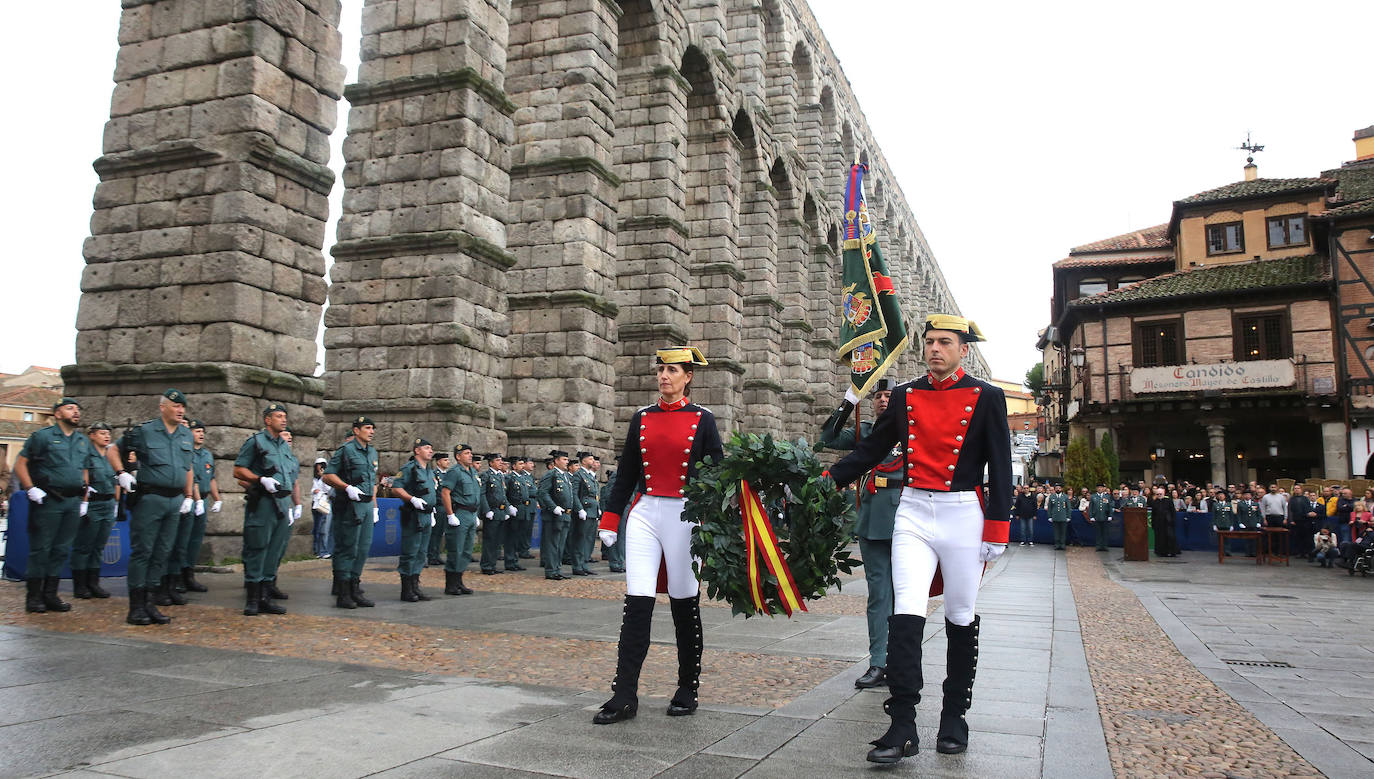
x,y
760,539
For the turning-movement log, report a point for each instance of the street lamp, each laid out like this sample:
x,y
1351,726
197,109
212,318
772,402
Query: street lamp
x,y
1273,448
1078,356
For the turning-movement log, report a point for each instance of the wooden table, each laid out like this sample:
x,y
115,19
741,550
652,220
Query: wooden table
x,y
1253,535
1272,537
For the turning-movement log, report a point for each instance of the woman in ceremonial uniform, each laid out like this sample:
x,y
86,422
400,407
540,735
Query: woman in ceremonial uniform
x,y
663,447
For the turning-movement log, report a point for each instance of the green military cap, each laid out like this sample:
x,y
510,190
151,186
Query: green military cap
x,y
272,408
495,456
441,455
363,422
460,448
583,455
477,458
196,424
557,453
419,442
99,426
66,401
175,395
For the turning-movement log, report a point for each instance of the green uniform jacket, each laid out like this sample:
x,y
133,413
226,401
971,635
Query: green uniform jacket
x,y
1100,506
464,491
556,490
422,483
588,493
1137,501
528,490
1059,508
163,458
102,477
877,509
268,455
356,465
494,493
203,470
1248,514
58,461
606,488
1223,514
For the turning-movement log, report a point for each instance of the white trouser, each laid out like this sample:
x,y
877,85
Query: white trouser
x,y
937,527
655,533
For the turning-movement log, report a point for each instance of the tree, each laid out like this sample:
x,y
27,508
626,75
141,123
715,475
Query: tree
x,y
1084,466
1112,457
1035,380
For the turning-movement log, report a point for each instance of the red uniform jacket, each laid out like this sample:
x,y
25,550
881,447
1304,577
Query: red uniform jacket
x,y
664,444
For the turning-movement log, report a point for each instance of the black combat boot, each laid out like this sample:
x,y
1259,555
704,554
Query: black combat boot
x,y
50,599
904,685
961,662
251,591
407,594
188,578
343,593
269,588
687,626
463,589
357,590
178,583
451,583
265,604
33,598
149,607
415,587
79,587
166,596
93,582
138,614
634,645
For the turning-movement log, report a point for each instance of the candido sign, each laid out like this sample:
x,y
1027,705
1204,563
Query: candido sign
x,y
1256,374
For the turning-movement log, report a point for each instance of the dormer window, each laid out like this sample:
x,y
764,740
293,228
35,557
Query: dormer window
x,y
1225,238
1088,287
1288,230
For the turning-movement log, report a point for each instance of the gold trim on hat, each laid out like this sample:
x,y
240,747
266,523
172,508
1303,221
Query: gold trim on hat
x,y
676,355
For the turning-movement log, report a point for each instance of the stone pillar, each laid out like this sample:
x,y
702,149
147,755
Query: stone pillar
x,y
204,268
1216,443
1335,450
417,324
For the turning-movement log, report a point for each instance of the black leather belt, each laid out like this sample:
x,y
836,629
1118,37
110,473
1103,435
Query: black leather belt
x,y
166,492
61,492
101,496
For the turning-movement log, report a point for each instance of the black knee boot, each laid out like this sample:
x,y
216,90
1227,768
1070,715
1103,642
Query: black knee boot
x,y
50,599
687,626
33,598
904,633
961,661
634,645
93,582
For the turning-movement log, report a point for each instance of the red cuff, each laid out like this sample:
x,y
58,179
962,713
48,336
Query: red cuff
x,y
609,521
996,531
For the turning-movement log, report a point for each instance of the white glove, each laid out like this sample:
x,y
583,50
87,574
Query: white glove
x,y
991,552
511,510
353,492
216,506
127,481
453,520
558,511
431,520
479,523
200,507
1214,529
186,504
418,504
581,513
295,512
489,513
268,483
36,494
84,508
607,537
376,515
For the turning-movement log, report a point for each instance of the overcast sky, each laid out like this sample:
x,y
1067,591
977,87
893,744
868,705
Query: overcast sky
x,y
1016,131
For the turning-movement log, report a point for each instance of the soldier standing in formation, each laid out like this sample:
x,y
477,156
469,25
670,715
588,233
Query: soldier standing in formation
x,y
572,545
97,517
589,501
162,447
510,525
55,464
191,534
557,506
461,493
417,486
613,553
267,469
442,463
1058,507
526,508
494,514
352,471
881,491
1100,514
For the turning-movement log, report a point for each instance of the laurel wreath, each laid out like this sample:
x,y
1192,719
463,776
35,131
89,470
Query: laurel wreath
x,y
813,521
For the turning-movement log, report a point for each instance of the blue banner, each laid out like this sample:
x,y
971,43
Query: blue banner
x,y
116,558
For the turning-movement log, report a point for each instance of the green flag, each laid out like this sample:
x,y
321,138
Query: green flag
x,y
872,333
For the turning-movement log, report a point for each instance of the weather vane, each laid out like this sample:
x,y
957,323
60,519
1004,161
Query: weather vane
x,y
1250,147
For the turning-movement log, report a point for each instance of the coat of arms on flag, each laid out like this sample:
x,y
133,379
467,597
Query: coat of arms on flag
x,y
857,307
872,333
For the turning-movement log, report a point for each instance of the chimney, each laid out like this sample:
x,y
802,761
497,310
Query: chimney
x,y
1251,171
1364,143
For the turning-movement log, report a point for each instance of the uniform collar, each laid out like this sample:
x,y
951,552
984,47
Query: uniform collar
x,y
949,380
675,405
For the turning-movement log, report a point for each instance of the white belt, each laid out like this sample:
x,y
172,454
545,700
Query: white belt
x,y
966,496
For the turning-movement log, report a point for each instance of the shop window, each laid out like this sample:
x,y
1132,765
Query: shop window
x,y
1288,230
1088,287
1158,343
1226,238
1263,337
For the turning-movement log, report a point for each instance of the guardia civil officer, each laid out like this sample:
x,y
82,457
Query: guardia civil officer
x,y
663,448
613,553
97,517
352,472
442,463
557,506
417,485
496,513
461,495
53,468
589,516
526,507
1100,514
191,533
267,469
880,491
510,536
163,491
953,427
1059,509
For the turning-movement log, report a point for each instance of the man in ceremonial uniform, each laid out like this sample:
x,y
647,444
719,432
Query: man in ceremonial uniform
x,y
191,533
1100,507
495,514
879,493
352,472
1135,500
53,468
163,448
97,517
417,485
557,504
442,463
952,427
461,493
1058,507
589,513
267,469
1249,517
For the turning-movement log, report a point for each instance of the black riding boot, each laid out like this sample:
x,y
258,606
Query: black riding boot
x,y
188,578
961,661
138,615
634,645
357,590
251,592
904,633
93,582
79,587
33,597
50,599
415,587
269,589
687,626
407,594
343,592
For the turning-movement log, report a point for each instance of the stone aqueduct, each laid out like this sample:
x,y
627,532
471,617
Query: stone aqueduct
x,y
536,194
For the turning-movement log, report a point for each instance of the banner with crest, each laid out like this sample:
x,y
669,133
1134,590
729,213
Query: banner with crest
x,y
872,333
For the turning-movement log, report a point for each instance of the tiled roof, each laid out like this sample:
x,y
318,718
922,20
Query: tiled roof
x,y
1156,237
1358,208
1242,190
1214,279
40,397
1109,261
